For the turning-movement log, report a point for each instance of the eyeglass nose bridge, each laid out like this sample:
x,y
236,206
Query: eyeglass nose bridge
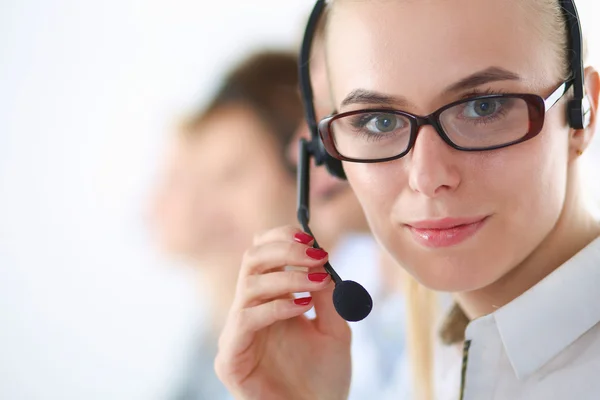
x,y
420,121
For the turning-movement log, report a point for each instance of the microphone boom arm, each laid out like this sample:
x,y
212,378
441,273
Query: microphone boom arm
x,y
303,199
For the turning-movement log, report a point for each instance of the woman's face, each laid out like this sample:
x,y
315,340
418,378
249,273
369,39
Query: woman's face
x,y
506,200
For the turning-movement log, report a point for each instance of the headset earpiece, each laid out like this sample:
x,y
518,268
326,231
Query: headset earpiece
x,y
576,108
579,113
575,114
333,165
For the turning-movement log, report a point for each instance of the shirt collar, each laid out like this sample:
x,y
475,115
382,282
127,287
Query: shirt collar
x,y
536,326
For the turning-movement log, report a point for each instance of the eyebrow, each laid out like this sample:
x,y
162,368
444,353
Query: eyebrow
x,y
488,75
362,96
491,74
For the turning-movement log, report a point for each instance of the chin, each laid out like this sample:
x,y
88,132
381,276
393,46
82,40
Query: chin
x,y
469,265
454,273
449,285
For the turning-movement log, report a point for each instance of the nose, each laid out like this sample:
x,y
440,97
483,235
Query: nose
x,y
433,170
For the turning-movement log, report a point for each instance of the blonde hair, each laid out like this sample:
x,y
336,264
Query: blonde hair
x,y
422,303
421,317
548,18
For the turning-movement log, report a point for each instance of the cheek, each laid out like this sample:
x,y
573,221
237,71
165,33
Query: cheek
x,y
175,209
174,219
377,188
531,180
525,187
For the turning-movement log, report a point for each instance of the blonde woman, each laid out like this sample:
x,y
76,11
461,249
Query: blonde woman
x,y
459,125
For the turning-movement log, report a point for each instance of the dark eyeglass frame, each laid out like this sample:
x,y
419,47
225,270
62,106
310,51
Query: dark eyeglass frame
x,y
576,108
537,108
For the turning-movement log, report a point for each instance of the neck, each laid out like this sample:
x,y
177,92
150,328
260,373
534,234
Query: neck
x,y
574,230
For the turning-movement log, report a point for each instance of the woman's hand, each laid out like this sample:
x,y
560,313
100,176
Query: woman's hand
x,y
268,349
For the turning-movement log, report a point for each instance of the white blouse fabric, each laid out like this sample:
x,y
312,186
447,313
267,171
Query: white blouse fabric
x,y
545,344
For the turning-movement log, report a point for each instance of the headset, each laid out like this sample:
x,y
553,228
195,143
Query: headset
x,y
350,299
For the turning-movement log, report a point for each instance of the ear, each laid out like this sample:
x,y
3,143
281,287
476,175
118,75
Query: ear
x,y
581,138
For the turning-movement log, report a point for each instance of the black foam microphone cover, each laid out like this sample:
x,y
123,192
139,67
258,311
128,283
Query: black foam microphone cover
x,y
352,301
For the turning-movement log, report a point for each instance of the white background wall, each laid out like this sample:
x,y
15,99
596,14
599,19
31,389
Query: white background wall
x,y
88,309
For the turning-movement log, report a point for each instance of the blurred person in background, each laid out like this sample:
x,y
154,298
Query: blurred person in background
x,y
226,179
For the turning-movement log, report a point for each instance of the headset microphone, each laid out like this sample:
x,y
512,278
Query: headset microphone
x,y
351,300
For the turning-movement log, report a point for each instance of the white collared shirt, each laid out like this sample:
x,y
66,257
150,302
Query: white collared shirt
x,y
545,344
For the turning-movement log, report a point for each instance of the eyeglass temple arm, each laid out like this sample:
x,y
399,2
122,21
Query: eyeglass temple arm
x,y
551,100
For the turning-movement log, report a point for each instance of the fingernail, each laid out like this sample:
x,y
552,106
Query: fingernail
x,y
303,238
317,276
316,254
303,301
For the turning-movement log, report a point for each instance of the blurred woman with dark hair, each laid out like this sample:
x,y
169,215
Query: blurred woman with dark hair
x,y
227,178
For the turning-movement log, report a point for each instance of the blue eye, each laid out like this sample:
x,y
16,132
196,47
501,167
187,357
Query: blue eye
x,y
482,108
382,123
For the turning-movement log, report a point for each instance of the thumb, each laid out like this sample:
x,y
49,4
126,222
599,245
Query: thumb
x,y
328,321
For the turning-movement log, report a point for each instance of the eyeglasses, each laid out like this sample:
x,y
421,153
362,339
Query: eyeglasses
x,y
475,124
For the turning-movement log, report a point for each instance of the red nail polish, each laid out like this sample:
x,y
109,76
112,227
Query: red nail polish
x,y
317,254
303,301
303,238
317,276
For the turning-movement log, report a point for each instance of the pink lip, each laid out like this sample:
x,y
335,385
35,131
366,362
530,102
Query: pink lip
x,y
445,232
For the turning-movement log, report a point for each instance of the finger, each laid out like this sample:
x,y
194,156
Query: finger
x,y
272,255
327,320
244,323
258,288
283,234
